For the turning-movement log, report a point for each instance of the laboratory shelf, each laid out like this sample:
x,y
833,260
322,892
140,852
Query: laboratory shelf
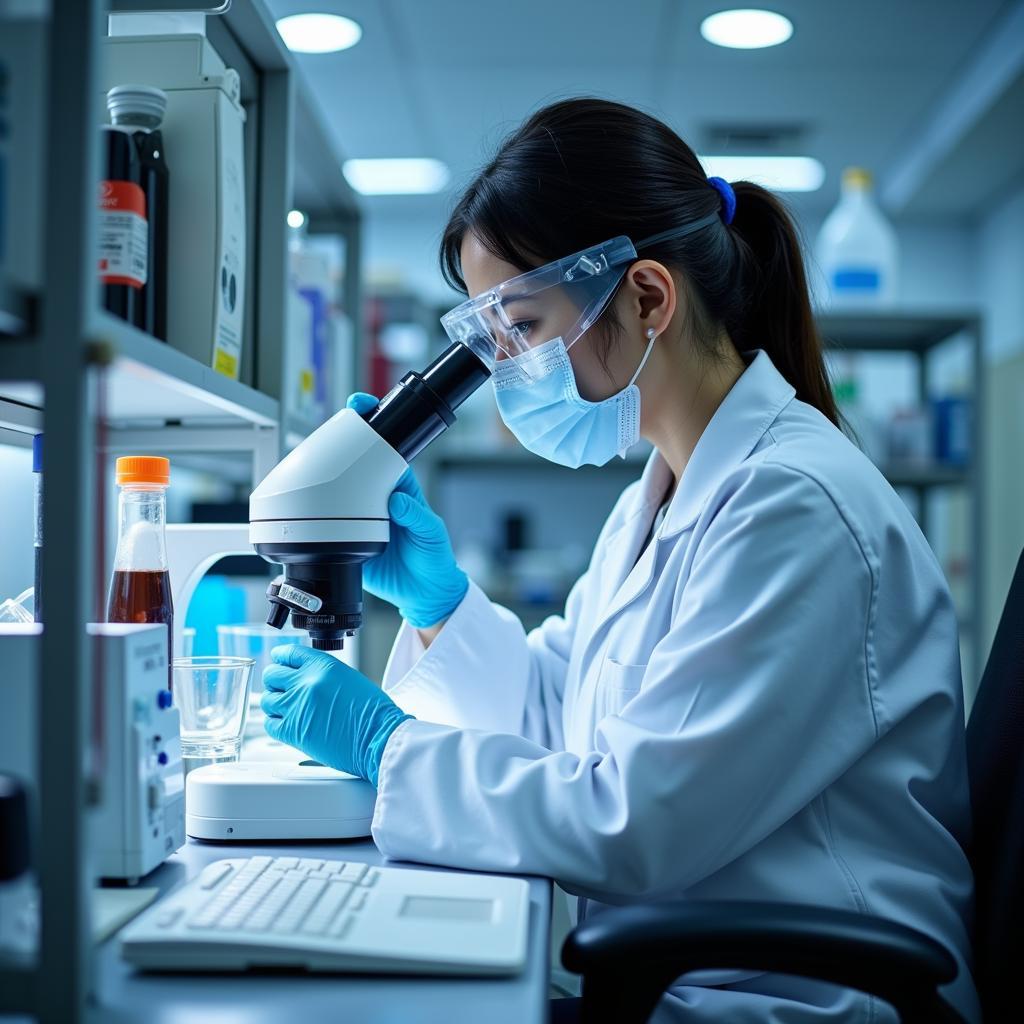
x,y
911,475
519,458
250,23
16,309
897,473
151,397
918,332
20,415
150,381
19,359
892,330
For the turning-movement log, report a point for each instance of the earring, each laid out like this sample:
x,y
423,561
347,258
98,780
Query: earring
x,y
651,333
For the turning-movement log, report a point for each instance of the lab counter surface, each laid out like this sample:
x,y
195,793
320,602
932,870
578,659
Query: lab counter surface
x,y
286,998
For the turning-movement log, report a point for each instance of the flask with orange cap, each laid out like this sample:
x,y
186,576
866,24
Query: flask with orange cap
x,y
140,588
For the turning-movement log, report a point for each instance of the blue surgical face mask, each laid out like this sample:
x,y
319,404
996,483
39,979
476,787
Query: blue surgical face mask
x,y
539,402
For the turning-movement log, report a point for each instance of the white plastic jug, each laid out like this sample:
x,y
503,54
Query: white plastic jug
x,y
857,248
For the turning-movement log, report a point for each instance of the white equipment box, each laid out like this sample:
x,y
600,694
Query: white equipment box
x,y
141,818
203,132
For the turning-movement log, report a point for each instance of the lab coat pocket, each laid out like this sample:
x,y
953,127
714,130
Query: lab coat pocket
x,y
617,685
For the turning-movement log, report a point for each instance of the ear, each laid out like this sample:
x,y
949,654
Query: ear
x,y
650,294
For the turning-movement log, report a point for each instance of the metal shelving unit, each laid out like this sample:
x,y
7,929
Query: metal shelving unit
x,y
918,332
68,360
906,330
15,310
455,457
924,476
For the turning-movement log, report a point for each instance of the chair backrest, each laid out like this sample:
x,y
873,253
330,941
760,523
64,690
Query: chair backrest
x,y
995,757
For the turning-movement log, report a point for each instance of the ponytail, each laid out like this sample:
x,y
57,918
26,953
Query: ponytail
x,y
776,314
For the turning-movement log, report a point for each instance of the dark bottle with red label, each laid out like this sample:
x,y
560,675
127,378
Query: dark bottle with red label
x,y
140,109
123,231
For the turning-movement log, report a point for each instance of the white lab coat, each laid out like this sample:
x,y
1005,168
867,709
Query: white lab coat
x,y
766,706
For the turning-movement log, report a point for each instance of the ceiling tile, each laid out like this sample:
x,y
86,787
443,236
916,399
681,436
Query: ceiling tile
x,y
449,78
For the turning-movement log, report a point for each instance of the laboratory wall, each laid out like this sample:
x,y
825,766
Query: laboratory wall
x,y
1000,262
937,265
404,248
16,489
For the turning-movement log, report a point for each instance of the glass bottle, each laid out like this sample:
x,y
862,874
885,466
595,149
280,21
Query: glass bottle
x,y
857,247
122,230
140,588
139,110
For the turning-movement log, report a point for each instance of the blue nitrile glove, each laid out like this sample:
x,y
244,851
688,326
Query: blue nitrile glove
x,y
328,710
417,571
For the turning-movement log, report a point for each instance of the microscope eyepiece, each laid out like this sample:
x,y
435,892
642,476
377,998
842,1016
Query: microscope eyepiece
x,y
422,405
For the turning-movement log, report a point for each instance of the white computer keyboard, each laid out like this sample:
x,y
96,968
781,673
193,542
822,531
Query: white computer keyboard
x,y
333,915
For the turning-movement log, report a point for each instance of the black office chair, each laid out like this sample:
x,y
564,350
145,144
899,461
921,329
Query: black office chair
x,y
628,956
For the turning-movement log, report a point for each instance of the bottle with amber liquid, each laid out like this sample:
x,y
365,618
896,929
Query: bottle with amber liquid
x,y
140,588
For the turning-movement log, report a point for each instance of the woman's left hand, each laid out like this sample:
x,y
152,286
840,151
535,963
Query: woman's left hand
x,y
328,710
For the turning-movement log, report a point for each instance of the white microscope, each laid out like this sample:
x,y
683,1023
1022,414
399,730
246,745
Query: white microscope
x,y
320,513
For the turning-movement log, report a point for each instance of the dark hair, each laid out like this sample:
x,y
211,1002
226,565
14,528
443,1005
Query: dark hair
x,y
581,171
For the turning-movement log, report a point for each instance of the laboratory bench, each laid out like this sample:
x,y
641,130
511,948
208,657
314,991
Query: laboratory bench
x,y
126,995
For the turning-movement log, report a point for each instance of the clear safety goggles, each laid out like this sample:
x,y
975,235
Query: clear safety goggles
x,y
562,300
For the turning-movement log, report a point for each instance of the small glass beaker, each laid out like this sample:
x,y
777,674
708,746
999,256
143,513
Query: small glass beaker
x,y
256,640
212,695
13,608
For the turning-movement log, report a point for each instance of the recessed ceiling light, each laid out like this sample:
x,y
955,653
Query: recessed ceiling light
x,y
746,28
780,173
318,33
405,176
296,218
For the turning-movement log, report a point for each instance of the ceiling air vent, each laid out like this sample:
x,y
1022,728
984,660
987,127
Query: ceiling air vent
x,y
752,138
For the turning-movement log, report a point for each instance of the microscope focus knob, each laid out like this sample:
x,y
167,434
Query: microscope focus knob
x,y
277,616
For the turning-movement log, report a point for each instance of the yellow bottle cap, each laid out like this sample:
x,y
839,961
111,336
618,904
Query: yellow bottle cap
x,y
857,177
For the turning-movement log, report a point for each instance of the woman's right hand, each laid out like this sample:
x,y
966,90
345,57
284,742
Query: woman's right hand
x,y
417,571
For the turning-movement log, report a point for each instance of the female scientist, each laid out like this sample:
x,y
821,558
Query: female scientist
x,y
754,692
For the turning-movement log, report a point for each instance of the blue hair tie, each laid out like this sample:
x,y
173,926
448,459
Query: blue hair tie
x,y
724,189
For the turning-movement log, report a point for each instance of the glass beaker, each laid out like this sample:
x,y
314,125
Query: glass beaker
x,y
256,640
13,608
212,695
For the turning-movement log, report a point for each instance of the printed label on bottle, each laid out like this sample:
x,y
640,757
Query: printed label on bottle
x,y
856,279
123,234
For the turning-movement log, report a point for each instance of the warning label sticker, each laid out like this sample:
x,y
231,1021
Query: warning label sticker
x,y
123,234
